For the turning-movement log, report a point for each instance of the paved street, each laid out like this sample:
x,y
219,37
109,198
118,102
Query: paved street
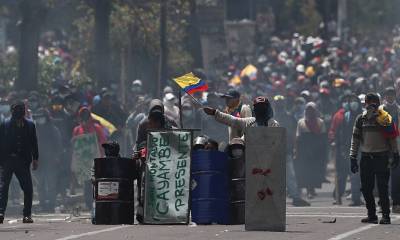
x,y
308,223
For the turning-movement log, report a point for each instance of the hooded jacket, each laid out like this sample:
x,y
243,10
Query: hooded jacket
x,y
141,136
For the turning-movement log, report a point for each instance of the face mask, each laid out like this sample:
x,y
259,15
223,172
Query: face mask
x,y
354,106
85,117
136,89
346,106
237,152
41,121
372,107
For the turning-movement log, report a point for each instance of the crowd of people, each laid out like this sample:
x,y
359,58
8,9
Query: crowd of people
x,y
315,89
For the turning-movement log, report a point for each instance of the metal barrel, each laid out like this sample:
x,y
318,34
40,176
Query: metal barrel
x,y
210,187
237,189
114,191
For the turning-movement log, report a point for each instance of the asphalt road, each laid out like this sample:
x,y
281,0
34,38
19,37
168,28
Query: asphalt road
x,y
308,223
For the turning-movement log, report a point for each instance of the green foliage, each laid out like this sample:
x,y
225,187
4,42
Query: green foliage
x,y
8,70
50,69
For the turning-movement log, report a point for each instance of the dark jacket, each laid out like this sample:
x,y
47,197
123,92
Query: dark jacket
x,y
29,147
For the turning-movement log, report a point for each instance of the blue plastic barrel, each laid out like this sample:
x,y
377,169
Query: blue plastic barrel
x,y
210,187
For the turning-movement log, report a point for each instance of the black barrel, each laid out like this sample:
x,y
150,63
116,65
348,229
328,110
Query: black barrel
x,y
114,191
237,186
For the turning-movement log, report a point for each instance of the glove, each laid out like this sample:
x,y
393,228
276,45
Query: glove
x,y
395,161
354,164
209,111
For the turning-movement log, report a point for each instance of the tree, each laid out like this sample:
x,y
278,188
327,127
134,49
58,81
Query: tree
x,y
102,41
194,44
33,14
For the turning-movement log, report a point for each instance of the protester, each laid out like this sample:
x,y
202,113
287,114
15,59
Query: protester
x,y
340,137
375,136
170,109
263,116
50,146
287,121
311,150
235,108
111,110
156,119
19,146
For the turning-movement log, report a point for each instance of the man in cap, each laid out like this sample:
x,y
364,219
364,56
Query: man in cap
x,y
19,148
235,108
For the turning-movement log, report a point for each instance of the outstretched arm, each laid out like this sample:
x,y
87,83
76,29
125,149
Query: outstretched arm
x,y
229,120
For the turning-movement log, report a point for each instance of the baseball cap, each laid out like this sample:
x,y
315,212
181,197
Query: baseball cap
x,y
231,93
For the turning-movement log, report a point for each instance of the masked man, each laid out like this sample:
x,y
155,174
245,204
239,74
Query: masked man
x,y
375,136
263,114
19,148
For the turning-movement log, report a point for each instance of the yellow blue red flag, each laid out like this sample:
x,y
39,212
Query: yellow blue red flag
x,y
191,84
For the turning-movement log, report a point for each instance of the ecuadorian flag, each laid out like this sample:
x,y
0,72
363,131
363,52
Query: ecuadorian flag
x,y
191,84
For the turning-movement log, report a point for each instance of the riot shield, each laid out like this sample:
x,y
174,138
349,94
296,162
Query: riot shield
x,y
265,179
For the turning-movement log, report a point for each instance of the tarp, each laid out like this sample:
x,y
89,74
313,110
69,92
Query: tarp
x,y
265,179
85,149
167,177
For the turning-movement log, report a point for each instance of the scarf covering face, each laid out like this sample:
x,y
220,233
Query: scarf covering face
x,y
311,118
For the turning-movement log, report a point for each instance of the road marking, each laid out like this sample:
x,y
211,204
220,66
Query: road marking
x,y
333,207
326,212
93,233
358,230
324,216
